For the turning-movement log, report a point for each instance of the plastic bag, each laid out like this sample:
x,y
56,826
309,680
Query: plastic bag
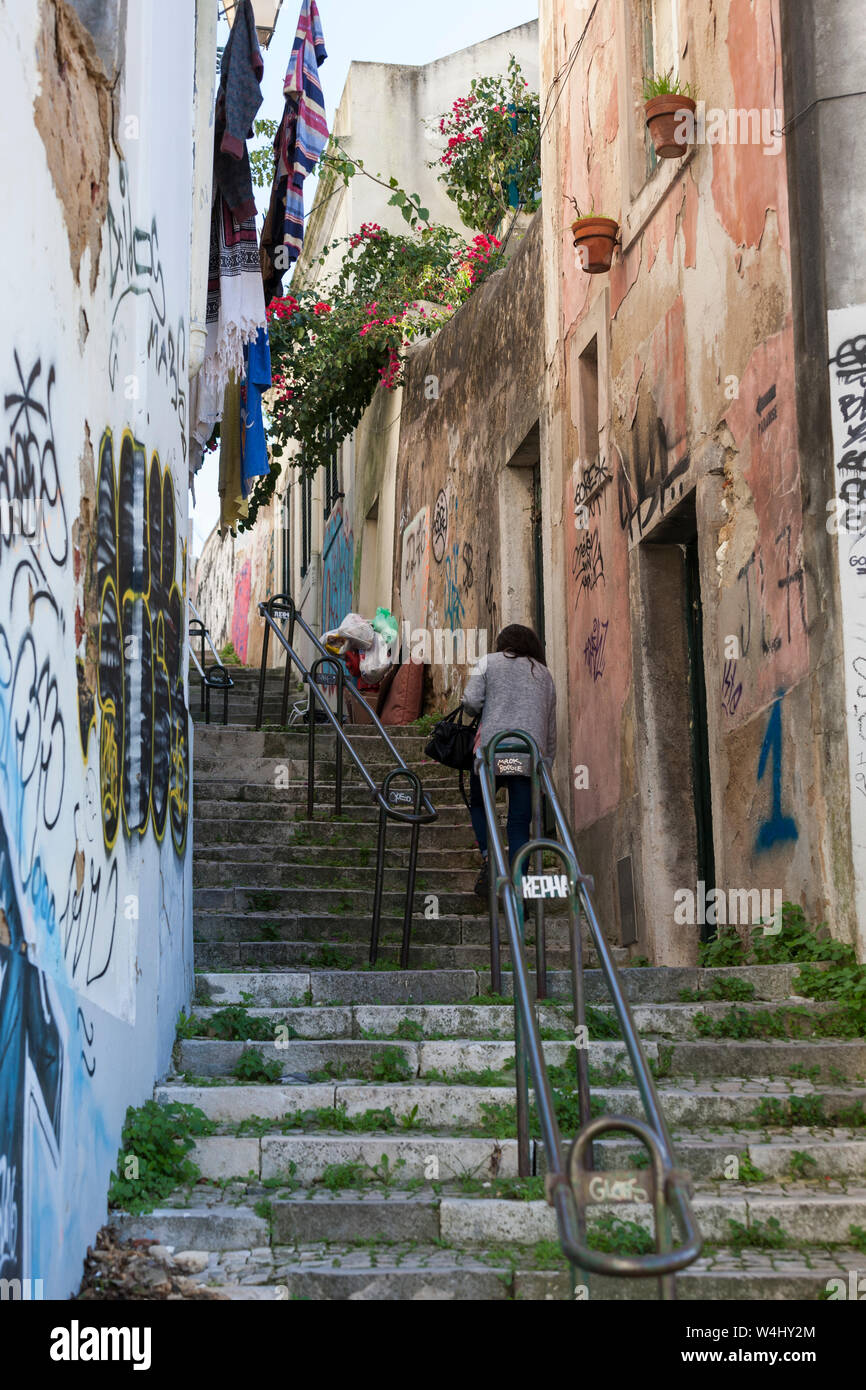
x,y
386,625
354,631
377,662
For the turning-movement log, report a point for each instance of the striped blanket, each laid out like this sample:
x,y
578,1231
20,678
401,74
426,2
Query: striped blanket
x,y
303,131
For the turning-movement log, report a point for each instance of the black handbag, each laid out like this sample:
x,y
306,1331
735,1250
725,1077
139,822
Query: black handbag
x,y
451,741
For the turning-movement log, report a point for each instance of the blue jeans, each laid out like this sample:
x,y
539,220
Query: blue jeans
x,y
519,812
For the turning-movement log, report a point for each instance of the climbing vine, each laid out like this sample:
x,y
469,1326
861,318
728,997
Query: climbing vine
x,y
334,344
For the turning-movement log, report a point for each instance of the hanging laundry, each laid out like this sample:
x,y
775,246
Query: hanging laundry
x,y
254,450
299,142
238,100
236,308
232,503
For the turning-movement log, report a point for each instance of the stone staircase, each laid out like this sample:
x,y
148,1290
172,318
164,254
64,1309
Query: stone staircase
x,y
376,1159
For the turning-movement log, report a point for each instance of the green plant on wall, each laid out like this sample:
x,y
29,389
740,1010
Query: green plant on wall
x,y
333,345
491,161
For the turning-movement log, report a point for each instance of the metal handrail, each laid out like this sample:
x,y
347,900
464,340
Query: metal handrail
x,y
386,798
217,678
569,1185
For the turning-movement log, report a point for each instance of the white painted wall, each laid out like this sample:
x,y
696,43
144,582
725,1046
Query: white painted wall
x,y
96,903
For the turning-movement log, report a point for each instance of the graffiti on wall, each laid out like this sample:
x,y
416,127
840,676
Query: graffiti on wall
x,y
135,272
32,1057
241,610
338,559
593,650
776,828
440,526
415,569
847,338
143,722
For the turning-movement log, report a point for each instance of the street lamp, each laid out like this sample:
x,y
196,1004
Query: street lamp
x,y
266,13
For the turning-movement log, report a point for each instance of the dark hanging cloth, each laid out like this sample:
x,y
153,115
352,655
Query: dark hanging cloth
x,y
238,99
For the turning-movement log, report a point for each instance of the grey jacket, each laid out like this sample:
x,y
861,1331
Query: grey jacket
x,y
514,693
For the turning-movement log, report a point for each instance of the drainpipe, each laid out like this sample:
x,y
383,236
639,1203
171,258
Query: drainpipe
x,y
202,176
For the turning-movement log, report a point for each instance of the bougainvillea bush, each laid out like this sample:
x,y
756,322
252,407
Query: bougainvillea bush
x,y
334,344
492,149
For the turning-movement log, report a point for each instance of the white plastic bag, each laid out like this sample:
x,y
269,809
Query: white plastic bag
x,y
355,632
377,661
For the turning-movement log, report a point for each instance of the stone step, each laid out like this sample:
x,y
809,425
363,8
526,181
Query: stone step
x,y
708,1059
280,837
268,818
384,1020
441,931
350,955
291,871
269,895
341,986
358,1058
486,1021
273,988
437,1105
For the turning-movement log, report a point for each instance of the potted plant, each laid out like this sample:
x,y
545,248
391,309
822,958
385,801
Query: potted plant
x,y
595,237
670,114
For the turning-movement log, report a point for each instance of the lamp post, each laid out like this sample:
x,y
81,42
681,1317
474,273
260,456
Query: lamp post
x,y
266,14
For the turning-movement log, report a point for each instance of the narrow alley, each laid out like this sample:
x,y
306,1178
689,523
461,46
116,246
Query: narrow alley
x,y
432,741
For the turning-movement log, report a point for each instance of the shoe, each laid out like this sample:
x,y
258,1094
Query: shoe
x,y
482,882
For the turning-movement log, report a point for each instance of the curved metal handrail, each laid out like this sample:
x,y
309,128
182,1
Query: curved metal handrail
x,y
217,678
287,606
567,1183
282,603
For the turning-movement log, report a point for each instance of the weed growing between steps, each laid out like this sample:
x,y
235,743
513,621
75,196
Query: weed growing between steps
x,y
805,1111
796,1021
720,991
153,1156
830,971
232,1024
251,1066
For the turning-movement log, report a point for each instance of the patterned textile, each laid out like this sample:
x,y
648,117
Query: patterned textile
x,y
235,297
302,133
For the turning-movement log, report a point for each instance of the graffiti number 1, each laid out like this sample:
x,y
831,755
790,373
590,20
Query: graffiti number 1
x,y
777,828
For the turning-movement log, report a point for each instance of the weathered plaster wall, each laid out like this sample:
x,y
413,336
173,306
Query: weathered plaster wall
x,y
95,743
455,504
696,407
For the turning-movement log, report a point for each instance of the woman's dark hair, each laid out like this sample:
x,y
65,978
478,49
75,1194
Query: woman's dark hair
x,y
516,640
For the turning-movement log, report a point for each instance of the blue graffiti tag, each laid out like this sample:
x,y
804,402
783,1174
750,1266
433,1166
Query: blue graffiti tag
x,y
776,829
454,610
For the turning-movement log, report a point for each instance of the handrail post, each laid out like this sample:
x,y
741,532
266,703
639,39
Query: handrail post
x,y
540,935
312,711
261,704
578,998
377,891
338,771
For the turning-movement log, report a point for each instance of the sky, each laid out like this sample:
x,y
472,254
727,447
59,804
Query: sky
x,y
388,31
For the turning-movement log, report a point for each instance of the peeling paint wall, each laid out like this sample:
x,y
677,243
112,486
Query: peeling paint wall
x,y
672,399
95,740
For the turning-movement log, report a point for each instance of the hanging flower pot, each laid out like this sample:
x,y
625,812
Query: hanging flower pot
x,y
670,115
595,238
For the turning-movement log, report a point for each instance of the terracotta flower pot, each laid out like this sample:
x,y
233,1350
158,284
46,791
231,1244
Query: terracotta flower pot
x,y
662,115
595,237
